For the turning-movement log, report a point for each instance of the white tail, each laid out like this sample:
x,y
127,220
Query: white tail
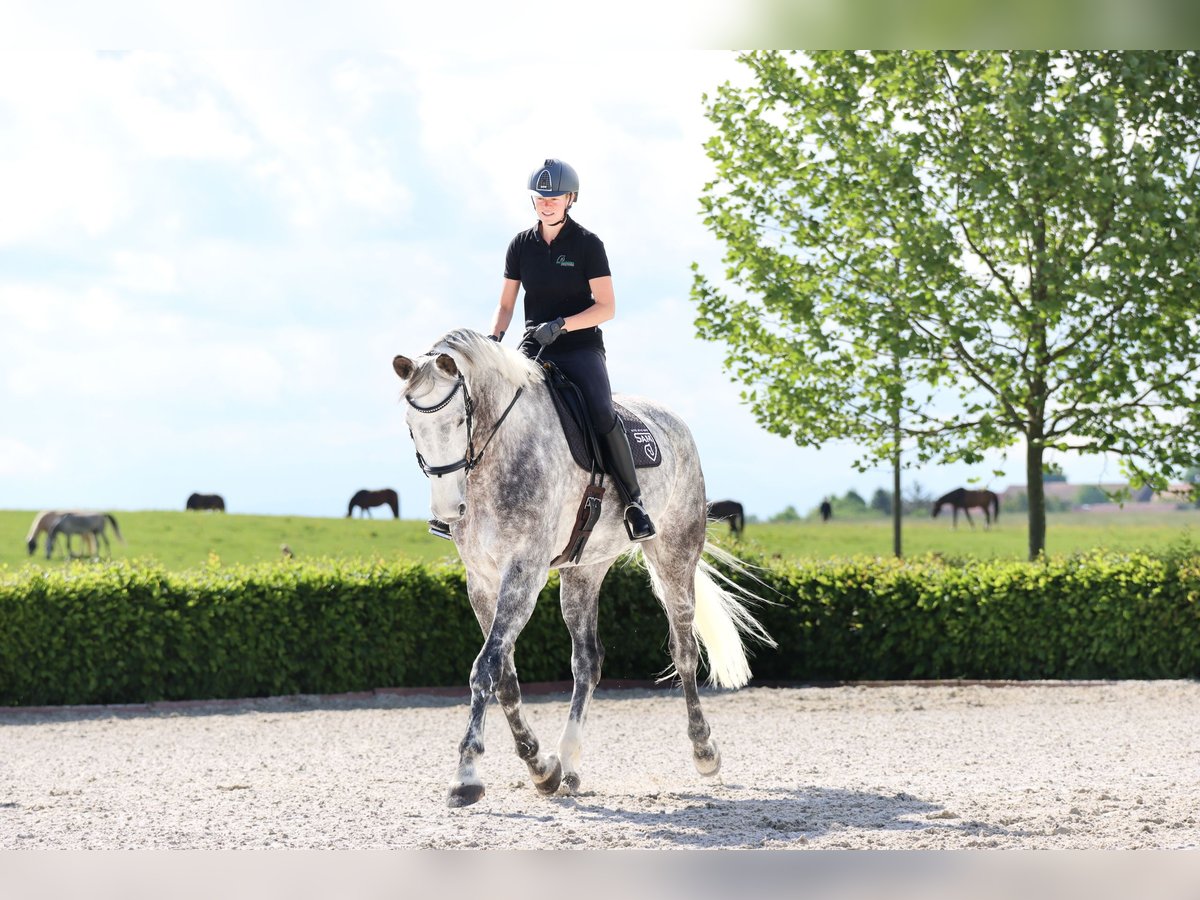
x,y
723,621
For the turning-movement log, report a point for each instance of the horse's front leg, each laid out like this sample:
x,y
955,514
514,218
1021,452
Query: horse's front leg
x,y
544,768
494,673
970,521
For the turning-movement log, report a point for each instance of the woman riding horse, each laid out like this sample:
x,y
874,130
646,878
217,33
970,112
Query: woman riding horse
x,y
564,270
502,475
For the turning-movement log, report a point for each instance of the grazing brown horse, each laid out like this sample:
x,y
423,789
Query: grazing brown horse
x,y
365,499
961,498
206,501
728,511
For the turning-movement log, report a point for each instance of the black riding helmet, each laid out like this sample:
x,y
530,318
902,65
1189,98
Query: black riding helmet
x,y
553,178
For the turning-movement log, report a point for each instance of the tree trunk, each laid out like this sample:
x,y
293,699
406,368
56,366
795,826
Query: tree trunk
x,y
897,374
896,502
1036,494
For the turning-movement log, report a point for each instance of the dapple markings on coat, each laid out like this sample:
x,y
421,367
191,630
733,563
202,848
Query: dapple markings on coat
x,y
509,495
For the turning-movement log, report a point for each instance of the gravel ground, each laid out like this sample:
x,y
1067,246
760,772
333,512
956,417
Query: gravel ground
x,y
1067,765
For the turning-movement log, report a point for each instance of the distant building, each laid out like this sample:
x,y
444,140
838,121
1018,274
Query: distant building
x,y
1069,493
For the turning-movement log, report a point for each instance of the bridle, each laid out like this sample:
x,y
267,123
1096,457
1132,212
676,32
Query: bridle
x,y
472,459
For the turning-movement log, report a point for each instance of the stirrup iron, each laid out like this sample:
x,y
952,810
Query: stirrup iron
x,y
637,523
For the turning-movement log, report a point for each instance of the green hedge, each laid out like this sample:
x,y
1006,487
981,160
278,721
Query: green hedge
x,y
120,633
1093,616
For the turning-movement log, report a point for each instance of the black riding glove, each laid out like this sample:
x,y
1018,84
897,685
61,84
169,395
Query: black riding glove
x,y
497,337
547,333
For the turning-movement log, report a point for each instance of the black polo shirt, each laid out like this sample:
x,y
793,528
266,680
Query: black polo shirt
x,y
555,277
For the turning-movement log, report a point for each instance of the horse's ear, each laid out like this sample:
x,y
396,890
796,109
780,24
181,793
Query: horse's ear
x,y
404,367
446,364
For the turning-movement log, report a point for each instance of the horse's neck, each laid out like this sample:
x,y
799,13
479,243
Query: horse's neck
x,y
522,429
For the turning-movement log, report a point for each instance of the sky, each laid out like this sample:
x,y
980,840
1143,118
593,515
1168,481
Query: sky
x,y
209,257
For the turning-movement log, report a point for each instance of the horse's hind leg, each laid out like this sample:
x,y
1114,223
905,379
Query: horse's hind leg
x,y
580,599
672,575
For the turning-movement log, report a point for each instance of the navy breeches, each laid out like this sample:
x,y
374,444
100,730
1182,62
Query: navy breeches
x,y
587,367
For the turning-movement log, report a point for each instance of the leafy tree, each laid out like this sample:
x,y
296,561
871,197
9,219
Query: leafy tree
x,y
963,251
787,515
853,500
1091,494
881,500
1053,472
917,500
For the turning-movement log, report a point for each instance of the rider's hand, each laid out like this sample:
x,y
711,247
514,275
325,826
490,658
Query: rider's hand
x,y
497,337
547,333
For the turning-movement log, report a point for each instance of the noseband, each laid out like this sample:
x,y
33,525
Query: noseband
x,y
472,459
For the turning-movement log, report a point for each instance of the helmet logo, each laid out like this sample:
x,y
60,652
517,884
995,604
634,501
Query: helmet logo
x,y
544,181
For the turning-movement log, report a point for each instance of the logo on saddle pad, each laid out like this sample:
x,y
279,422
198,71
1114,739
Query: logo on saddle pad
x,y
645,440
563,261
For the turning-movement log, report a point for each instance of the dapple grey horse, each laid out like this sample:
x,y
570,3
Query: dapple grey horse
x,y
87,524
502,477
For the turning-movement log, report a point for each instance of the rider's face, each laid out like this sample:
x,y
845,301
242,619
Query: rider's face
x,y
551,209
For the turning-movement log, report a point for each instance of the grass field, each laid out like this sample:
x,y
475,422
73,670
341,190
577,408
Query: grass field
x,y
1066,533
182,540
185,540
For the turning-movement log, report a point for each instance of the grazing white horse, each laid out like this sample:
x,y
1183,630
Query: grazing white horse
x,y
44,521
86,524
503,478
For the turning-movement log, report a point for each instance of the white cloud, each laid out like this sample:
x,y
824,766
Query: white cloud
x,y
218,254
19,459
144,272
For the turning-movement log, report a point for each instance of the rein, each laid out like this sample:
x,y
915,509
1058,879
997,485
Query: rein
x,y
472,459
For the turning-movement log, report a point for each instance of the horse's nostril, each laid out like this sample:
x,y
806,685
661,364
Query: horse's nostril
x,y
462,509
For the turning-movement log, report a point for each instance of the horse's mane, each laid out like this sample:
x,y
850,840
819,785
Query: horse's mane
x,y
39,524
474,351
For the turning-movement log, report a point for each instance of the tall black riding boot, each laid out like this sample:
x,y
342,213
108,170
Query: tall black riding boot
x,y
619,462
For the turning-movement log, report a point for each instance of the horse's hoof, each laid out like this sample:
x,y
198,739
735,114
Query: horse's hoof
x,y
464,795
708,760
551,777
570,784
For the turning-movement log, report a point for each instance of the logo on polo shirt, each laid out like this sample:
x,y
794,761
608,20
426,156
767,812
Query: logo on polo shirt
x,y
563,261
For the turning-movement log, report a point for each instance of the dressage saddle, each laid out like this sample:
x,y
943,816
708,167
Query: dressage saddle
x,y
585,450
581,436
